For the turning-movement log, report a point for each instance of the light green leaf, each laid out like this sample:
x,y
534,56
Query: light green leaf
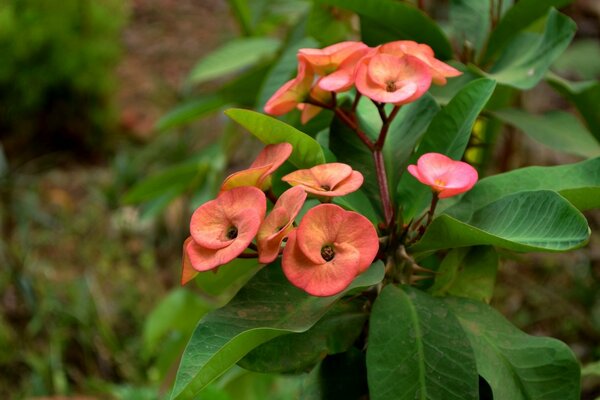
x,y
519,17
396,21
189,111
516,365
448,133
592,369
467,272
266,307
528,57
579,183
234,56
307,151
558,130
525,221
418,350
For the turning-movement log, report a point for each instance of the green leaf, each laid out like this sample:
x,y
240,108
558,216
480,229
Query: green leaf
x,y
558,130
448,133
307,151
470,22
267,307
283,70
529,56
418,350
359,202
525,221
584,95
189,111
581,59
516,365
579,183
243,15
467,272
399,20
592,369
299,352
326,25
234,56
519,17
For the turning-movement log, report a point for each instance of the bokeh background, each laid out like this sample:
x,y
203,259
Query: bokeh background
x,y
107,143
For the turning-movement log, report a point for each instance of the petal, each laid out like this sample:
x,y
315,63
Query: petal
x,y
319,227
273,155
292,92
348,185
414,171
188,272
433,165
247,177
209,224
319,279
360,234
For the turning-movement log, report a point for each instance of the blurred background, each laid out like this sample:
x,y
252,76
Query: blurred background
x,y
111,133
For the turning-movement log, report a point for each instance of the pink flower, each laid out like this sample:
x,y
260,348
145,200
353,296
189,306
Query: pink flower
x,y
259,173
309,111
439,70
292,93
336,63
389,78
222,229
330,247
445,176
326,180
278,224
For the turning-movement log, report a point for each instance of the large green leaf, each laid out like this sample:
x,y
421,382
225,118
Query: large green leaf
x,y
470,22
516,365
528,57
267,307
299,352
467,272
519,17
448,133
398,21
525,221
579,183
558,130
233,56
418,350
307,151
584,95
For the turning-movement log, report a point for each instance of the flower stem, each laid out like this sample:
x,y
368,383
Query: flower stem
x,y
384,192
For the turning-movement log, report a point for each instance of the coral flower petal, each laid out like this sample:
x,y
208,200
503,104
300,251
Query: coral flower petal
x,y
319,227
188,272
445,176
327,180
293,92
327,60
247,177
319,279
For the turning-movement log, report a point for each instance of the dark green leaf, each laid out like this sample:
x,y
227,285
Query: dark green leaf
x,y
233,56
326,25
525,221
400,20
266,307
470,22
418,350
467,272
579,183
448,133
558,130
189,111
307,152
299,352
519,17
516,365
528,57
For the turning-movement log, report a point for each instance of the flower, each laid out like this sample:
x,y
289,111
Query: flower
x,y
278,224
222,228
326,180
330,247
438,69
390,78
335,63
309,111
445,176
292,93
259,173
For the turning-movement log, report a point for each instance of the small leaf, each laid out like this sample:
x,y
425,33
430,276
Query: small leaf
x,y
307,151
267,307
558,130
525,221
517,366
234,56
418,350
189,111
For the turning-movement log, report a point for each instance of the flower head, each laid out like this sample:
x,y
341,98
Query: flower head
x,y
259,173
309,111
278,223
222,228
326,180
292,93
444,175
330,247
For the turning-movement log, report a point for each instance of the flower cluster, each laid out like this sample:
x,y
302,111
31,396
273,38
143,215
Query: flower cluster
x,y
396,72
323,254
